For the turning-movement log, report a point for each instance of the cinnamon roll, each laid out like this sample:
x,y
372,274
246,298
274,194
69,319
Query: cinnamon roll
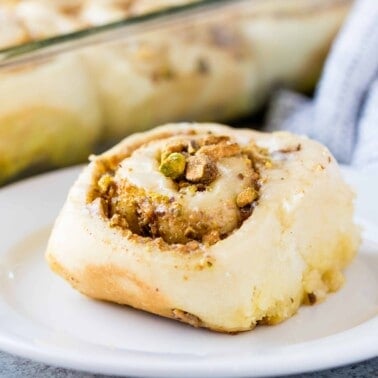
x,y
217,227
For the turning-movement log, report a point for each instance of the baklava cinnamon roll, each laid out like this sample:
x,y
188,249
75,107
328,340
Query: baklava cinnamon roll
x,y
217,227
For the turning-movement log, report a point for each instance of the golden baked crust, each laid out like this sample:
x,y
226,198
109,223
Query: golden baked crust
x,y
278,227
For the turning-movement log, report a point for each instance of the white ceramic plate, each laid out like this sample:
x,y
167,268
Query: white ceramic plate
x,y
42,318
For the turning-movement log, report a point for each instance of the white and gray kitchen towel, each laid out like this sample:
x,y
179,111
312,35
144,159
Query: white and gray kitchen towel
x,y
344,111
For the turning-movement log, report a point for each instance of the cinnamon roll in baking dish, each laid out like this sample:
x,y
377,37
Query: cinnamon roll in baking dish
x,y
216,66
216,227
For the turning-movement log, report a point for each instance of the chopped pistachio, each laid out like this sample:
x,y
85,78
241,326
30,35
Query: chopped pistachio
x,y
173,165
246,197
201,168
220,150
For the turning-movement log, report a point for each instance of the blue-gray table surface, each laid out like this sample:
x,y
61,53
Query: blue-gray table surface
x,y
16,367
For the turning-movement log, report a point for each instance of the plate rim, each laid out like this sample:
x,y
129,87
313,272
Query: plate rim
x,y
347,353
135,365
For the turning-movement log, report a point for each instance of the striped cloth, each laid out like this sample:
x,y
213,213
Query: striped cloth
x,y
344,111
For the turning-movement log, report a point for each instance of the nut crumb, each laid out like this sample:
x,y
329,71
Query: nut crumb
x,y
221,150
201,169
246,197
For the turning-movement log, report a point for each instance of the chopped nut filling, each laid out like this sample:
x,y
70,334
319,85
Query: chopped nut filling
x,y
198,156
201,169
194,164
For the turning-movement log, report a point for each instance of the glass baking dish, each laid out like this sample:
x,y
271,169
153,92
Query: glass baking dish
x,y
65,97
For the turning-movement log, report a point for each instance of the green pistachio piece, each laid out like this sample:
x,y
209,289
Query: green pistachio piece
x,y
173,165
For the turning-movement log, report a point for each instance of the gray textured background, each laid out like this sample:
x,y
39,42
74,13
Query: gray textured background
x,y
16,367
